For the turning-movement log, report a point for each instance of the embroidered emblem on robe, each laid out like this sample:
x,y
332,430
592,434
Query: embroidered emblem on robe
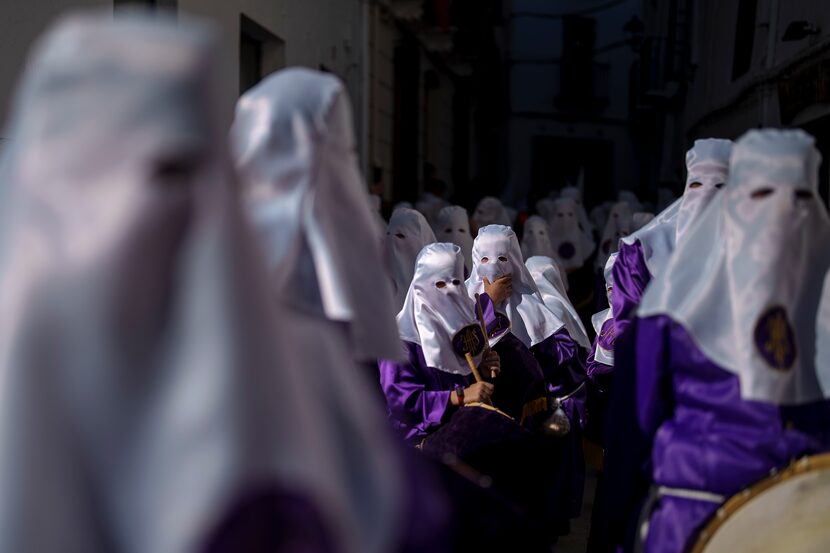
x,y
566,250
775,340
468,340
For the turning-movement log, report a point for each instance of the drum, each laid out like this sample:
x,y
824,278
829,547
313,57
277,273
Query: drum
x,y
520,463
520,386
787,512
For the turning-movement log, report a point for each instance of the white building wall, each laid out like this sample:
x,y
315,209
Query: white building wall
x,y
716,103
317,33
383,37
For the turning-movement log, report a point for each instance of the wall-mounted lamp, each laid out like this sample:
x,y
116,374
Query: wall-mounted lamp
x,y
799,30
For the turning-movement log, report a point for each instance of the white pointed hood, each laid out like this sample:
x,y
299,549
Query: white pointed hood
x,y
490,211
496,253
536,239
293,144
575,194
454,226
551,283
437,307
406,235
745,282
146,383
617,227
707,167
571,245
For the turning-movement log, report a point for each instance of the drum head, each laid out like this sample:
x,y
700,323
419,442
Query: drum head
x,y
788,512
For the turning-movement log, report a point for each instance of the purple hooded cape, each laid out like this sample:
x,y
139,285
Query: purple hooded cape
x,y
678,420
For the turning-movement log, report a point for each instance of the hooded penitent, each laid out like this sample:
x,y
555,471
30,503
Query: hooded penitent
x,y
490,211
496,253
294,147
575,194
707,166
571,245
147,384
536,239
551,283
407,234
437,307
454,226
641,219
630,198
604,352
745,282
599,215
617,227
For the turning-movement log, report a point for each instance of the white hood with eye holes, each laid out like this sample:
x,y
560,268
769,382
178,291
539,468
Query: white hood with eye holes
x,y
536,239
454,226
530,319
617,227
406,235
575,194
746,280
551,282
571,245
293,144
707,166
490,211
437,307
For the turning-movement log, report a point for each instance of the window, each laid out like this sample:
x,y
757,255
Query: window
x,y
744,37
260,53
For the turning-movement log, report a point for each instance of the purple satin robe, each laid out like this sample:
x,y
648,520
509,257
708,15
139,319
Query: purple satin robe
x,y
563,363
272,520
418,396
631,276
598,372
676,419
599,380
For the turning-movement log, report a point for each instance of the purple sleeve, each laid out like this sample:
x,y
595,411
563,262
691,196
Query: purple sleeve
x,y
418,409
563,365
639,403
631,276
597,371
496,322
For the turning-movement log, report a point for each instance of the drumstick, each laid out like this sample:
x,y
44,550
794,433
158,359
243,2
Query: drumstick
x,y
469,357
480,315
476,374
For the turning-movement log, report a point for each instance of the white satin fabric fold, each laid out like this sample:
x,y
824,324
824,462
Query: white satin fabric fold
x,y
604,356
490,211
454,226
536,238
437,307
617,227
707,166
293,144
551,283
575,194
146,383
746,280
572,246
406,235
530,319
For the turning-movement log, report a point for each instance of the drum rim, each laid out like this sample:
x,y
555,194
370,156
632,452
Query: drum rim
x,y
488,407
800,466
